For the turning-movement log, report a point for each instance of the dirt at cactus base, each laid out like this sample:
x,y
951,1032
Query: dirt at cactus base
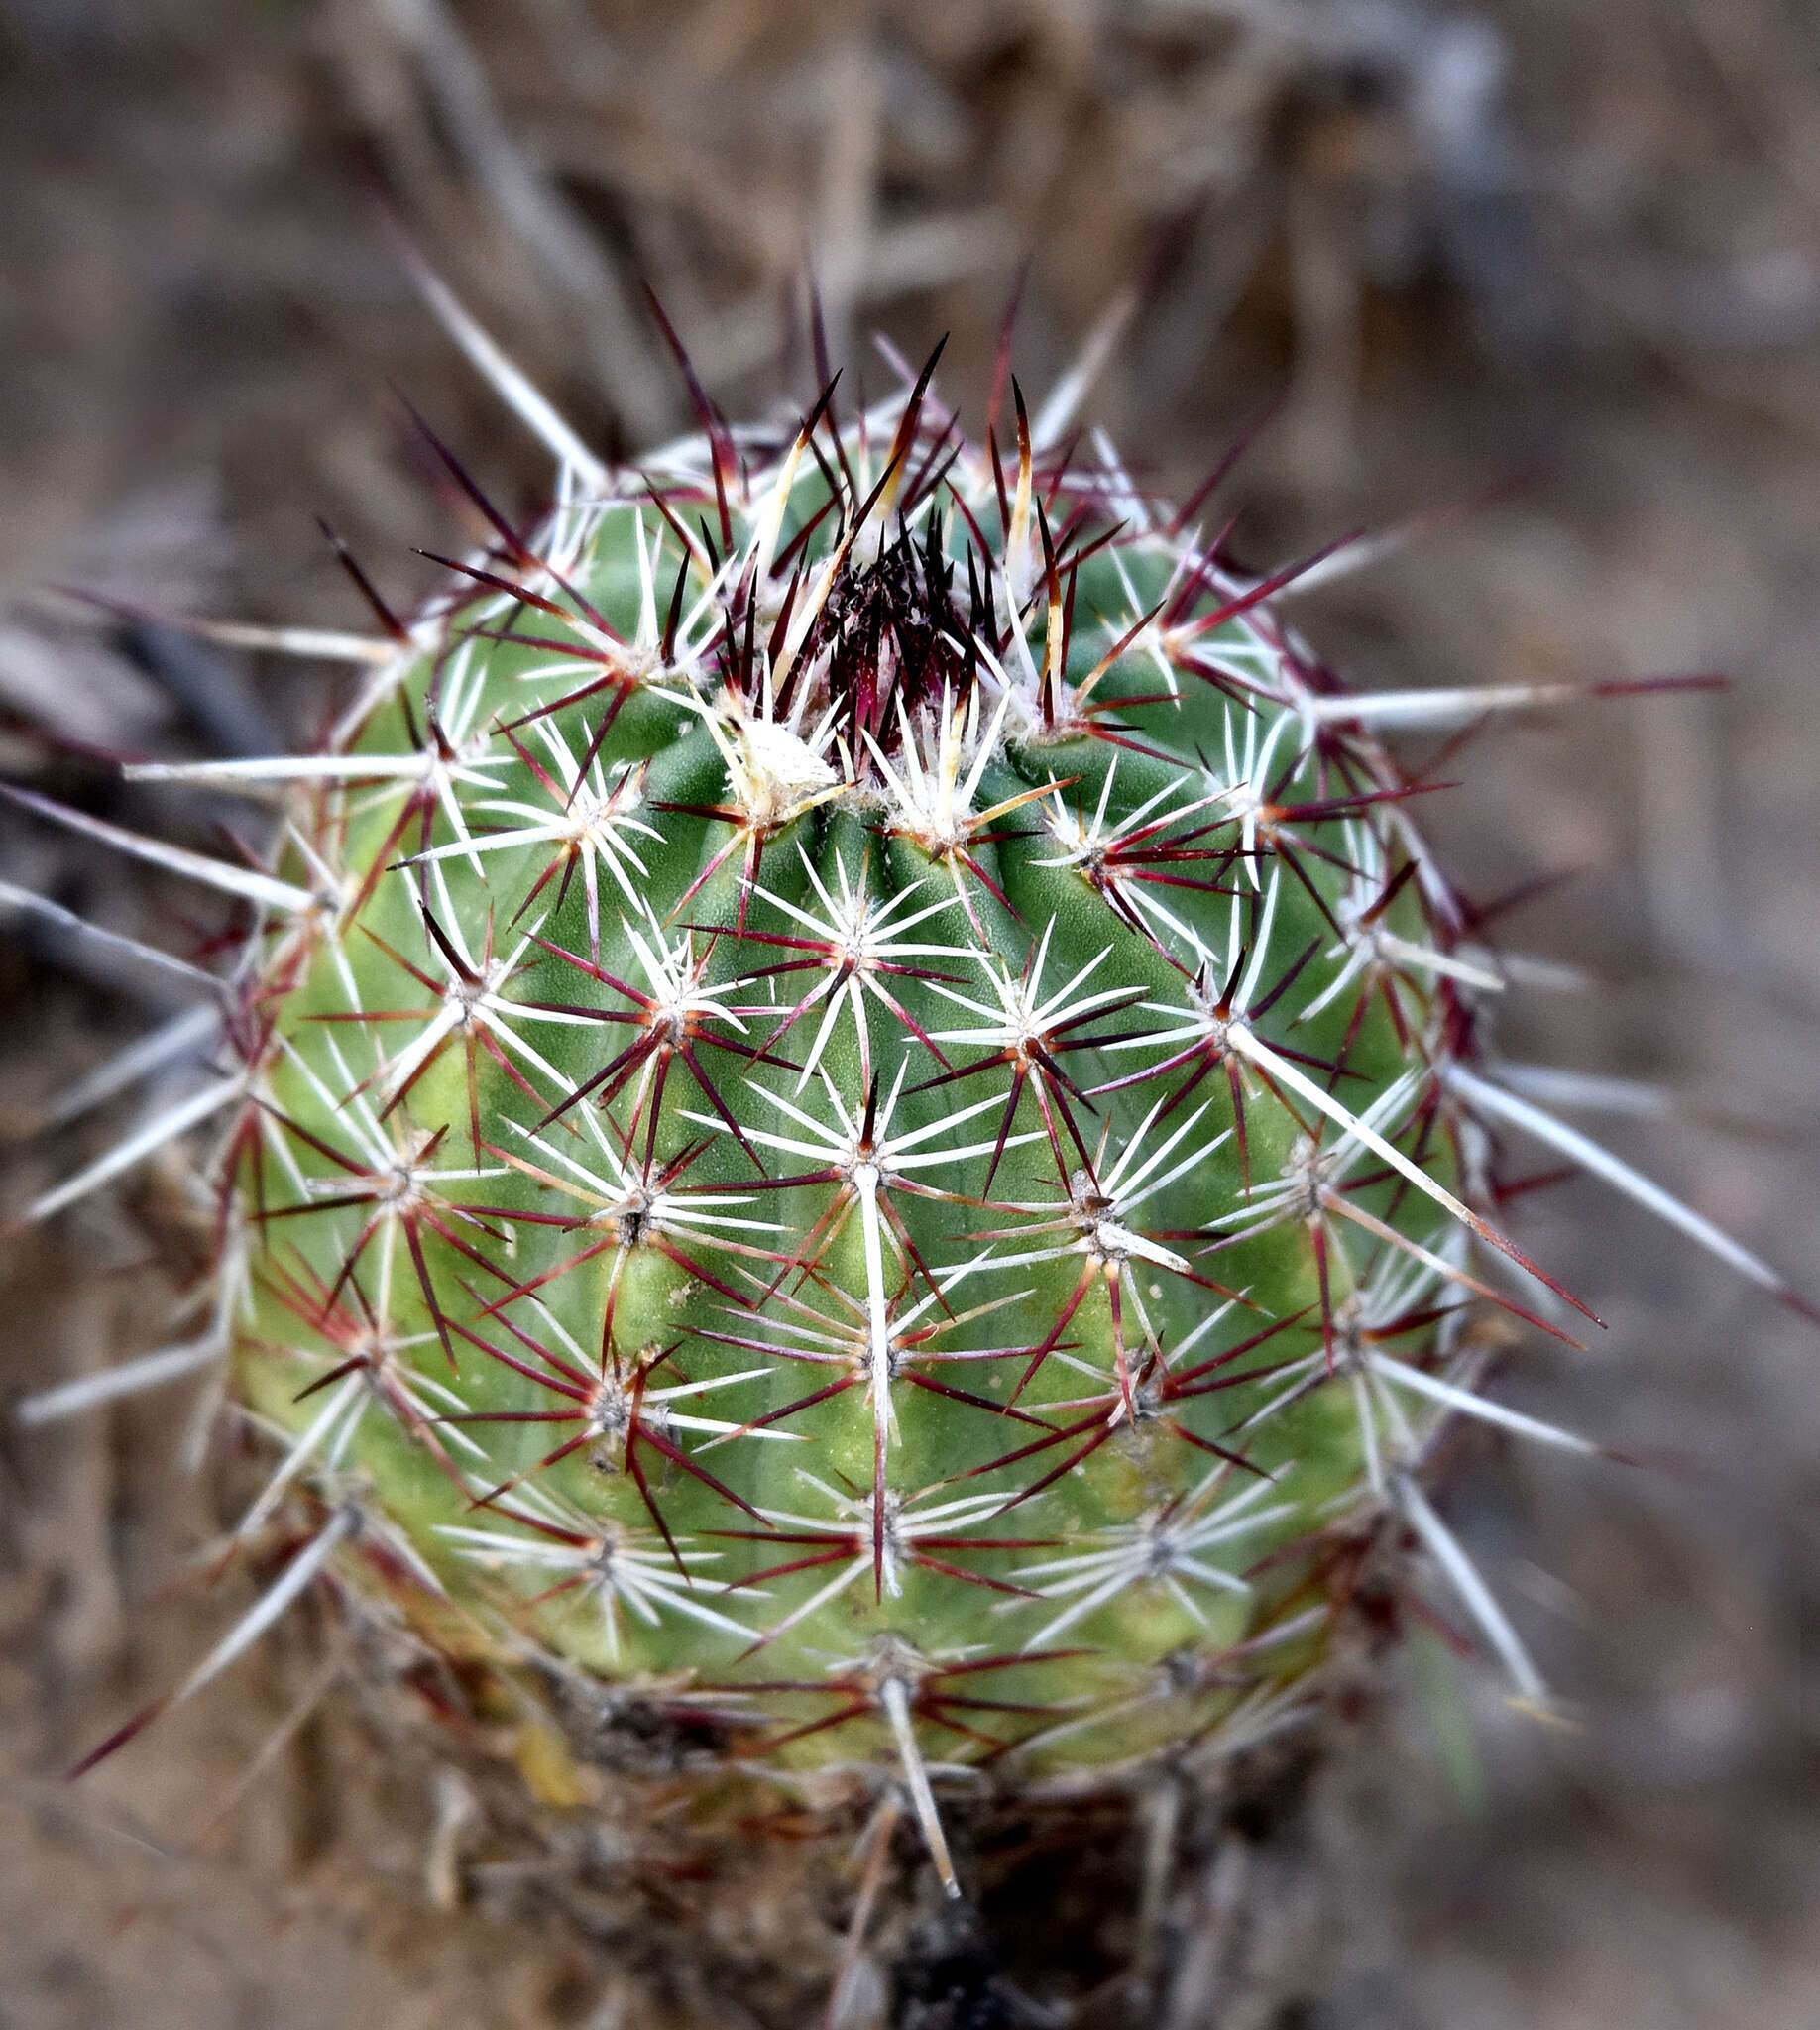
x,y
199,317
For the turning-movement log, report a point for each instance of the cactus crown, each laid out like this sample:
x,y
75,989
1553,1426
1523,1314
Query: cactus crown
x,y
856,1104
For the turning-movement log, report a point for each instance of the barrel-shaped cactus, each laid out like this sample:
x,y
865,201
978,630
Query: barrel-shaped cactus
x,y
855,1108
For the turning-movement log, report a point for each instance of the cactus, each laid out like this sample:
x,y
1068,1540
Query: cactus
x,y
851,1105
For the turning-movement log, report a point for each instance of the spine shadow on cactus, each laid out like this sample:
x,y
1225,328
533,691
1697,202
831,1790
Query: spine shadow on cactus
x,y
852,1095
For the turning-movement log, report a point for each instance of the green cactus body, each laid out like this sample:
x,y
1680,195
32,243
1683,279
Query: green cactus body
x,y
859,1115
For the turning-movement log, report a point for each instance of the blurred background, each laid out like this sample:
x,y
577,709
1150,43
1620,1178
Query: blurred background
x,y
1554,264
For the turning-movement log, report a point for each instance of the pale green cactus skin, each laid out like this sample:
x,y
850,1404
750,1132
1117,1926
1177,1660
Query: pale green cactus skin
x,y
806,1146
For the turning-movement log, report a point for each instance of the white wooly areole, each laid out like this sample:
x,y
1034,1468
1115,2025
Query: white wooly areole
x,y
847,984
